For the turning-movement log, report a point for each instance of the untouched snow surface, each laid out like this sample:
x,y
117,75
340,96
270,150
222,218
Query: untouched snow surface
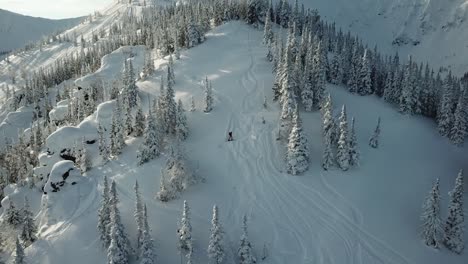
x,y
367,215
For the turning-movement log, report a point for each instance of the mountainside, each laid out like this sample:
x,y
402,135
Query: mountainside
x,y
17,30
416,27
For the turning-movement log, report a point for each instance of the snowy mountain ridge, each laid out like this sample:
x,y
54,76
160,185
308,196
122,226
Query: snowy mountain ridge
x,y
416,27
18,30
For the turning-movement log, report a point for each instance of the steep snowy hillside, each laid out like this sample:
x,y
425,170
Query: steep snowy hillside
x,y
367,215
17,30
431,30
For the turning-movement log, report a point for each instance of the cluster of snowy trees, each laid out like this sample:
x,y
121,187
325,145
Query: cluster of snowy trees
x,y
112,231
316,52
339,141
18,230
434,231
216,245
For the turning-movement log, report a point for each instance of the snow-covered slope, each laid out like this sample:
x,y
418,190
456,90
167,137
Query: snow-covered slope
x,y
367,215
431,30
17,30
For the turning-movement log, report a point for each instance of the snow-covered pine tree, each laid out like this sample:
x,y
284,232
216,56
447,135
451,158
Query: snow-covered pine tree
x,y
208,96
139,127
148,67
28,234
365,82
245,251
432,232
307,93
12,215
85,159
19,253
181,122
445,110
319,62
287,92
170,72
185,231
147,255
103,145
374,140
104,215
353,146
460,126
343,152
152,142
119,248
216,244
337,69
117,137
297,155
454,225
268,35
139,217
131,90
192,104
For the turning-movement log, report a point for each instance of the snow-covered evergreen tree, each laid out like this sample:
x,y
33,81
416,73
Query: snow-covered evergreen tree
x,y
139,217
343,152
19,253
181,122
245,251
28,234
185,231
365,82
148,67
85,159
216,244
328,131
119,247
103,145
337,69
460,126
170,72
131,90
297,155
353,146
117,130
432,224
12,215
104,214
139,127
192,104
319,63
208,96
374,140
454,225
152,142
445,111
147,255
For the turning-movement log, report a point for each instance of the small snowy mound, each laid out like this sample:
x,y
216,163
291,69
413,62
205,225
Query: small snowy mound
x,y
64,191
59,113
113,65
62,173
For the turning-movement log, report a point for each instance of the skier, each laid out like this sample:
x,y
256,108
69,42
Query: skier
x,y
230,136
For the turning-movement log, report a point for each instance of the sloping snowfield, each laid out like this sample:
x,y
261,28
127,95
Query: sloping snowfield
x,y
367,215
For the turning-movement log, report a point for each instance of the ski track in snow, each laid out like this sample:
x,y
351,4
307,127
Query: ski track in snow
x,y
270,194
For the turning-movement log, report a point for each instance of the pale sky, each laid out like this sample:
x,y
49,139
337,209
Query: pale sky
x,y
54,8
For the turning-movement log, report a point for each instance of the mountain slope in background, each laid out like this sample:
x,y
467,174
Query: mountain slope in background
x,y
17,30
431,30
